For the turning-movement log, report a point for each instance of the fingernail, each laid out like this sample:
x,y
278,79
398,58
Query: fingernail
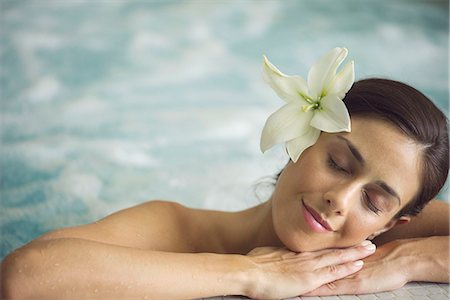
x,y
370,247
358,263
365,243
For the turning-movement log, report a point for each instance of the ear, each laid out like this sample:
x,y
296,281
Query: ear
x,y
392,223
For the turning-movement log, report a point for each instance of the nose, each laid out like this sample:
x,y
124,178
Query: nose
x,y
341,198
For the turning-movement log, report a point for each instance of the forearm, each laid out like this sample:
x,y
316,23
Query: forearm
x,y
434,220
76,268
427,259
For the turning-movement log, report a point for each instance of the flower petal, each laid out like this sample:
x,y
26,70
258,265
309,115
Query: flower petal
x,y
285,124
343,80
333,117
322,73
288,88
296,146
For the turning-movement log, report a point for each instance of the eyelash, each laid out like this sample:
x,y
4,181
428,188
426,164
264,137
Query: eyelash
x,y
334,165
369,203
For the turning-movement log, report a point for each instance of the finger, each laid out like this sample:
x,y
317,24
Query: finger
x,y
330,274
329,250
340,256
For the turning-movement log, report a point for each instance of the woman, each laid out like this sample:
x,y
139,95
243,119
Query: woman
x,y
340,190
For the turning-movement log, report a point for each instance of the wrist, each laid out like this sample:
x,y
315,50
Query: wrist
x,y
249,276
405,259
238,279
423,259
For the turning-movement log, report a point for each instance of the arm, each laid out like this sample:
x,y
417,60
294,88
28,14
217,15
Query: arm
x,y
137,253
393,265
434,220
85,269
416,251
429,259
124,255
92,270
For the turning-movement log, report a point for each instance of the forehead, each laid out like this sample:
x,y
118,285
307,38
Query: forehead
x,y
389,155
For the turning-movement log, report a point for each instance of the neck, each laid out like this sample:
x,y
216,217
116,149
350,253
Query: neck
x,y
245,230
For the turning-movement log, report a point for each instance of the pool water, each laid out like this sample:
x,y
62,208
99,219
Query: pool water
x,y
107,104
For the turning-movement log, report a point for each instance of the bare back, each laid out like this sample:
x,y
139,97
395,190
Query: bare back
x,y
154,225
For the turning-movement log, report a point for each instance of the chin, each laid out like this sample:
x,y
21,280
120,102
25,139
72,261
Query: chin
x,y
300,243
305,248
310,248
306,244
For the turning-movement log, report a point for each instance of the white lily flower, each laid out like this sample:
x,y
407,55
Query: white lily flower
x,y
311,107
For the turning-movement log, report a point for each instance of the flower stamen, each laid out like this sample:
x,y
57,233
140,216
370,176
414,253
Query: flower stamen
x,y
313,106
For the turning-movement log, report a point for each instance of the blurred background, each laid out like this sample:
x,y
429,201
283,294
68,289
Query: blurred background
x,y
106,104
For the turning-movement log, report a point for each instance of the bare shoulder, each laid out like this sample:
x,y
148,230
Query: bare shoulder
x,y
153,225
438,205
434,220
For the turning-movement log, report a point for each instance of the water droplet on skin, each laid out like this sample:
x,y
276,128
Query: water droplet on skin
x,y
56,264
20,270
145,297
96,291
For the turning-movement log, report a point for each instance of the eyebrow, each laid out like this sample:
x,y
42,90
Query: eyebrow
x,y
388,189
353,150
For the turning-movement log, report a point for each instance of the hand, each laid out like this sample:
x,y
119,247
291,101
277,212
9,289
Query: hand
x,y
280,273
382,271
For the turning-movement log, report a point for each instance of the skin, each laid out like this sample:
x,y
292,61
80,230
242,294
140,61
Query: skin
x,y
393,265
401,256
267,251
345,192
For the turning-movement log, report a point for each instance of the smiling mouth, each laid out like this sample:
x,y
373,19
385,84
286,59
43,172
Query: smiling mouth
x,y
314,219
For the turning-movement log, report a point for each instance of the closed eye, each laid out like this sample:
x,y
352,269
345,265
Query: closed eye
x,y
369,203
335,166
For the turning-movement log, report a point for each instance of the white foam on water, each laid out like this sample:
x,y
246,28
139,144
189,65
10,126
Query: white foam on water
x,y
44,89
77,184
131,157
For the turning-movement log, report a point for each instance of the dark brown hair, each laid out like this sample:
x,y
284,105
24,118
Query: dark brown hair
x,y
418,118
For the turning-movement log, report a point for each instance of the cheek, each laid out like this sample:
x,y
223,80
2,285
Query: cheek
x,y
310,178
317,175
358,227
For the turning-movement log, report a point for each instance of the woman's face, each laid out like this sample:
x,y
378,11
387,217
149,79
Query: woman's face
x,y
346,187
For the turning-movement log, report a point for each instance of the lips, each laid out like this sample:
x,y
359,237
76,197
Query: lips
x,y
314,219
